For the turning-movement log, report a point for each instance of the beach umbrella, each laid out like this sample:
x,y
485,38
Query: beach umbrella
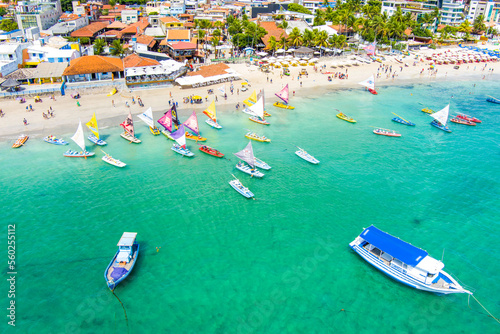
x,y
281,57
272,58
290,50
280,51
305,58
314,60
262,54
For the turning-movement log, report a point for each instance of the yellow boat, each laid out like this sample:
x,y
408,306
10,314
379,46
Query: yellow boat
x,y
345,118
113,92
428,111
256,137
194,137
154,130
282,105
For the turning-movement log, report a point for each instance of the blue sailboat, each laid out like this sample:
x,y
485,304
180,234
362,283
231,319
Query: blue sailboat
x,y
124,260
399,119
404,262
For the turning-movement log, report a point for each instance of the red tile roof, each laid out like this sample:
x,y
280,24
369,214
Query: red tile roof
x,y
134,60
182,46
132,29
272,30
117,25
211,70
169,19
147,40
93,64
90,30
175,34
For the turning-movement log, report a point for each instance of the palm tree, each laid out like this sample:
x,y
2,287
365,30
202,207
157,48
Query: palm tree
x,y
273,44
282,42
99,45
321,40
117,48
283,25
465,28
307,37
295,37
478,25
215,43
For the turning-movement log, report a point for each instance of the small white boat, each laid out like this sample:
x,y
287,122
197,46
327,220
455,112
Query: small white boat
x,y
56,141
211,112
183,151
249,170
306,156
213,124
404,262
239,187
96,140
112,161
261,164
78,154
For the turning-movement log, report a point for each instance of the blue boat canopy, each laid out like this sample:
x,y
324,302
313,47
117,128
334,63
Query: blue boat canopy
x,y
397,248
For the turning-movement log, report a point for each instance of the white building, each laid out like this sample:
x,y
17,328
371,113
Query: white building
x,y
42,13
130,16
313,5
11,55
38,54
489,8
451,12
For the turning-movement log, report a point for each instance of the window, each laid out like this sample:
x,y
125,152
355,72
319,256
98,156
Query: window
x,y
51,60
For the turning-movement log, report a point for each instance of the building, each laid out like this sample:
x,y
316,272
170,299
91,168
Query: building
x,y
130,16
36,54
11,56
415,8
42,14
181,51
208,75
91,31
68,23
49,72
94,68
451,12
314,5
489,8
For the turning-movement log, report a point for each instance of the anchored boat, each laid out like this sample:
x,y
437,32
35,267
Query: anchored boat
x,y
253,136
284,95
56,141
249,170
468,118
212,116
239,187
211,151
404,262
306,156
386,132
180,137
247,155
128,126
79,139
147,117
124,260
112,161
399,119
493,99
344,117
462,121
441,118
94,136
192,124
166,122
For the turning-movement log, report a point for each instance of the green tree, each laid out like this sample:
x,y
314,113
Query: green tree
x,y
273,44
282,42
112,3
465,28
66,6
215,43
153,13
322,40
307,38
3,11
478,25
99,45
117,48
295,37
293,7
283,25
8,25
319,18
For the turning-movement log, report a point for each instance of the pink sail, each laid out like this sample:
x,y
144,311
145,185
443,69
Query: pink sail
x,y
166,121
192,123
283,94
128,125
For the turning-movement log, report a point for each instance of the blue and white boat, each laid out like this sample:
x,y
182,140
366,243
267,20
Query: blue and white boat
x,y
441,118
249,170
96,140
493,99
261,164
399,119
239,187
404,262
124,260
56,141
183,151
306,156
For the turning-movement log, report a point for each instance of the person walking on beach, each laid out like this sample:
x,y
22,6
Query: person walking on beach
x,y
25,121
113,103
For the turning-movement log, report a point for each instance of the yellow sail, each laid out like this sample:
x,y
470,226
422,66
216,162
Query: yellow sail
x,y
251,100
210,112
92,125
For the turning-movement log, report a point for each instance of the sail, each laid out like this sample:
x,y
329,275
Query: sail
x,y
368,83
283,94
442,115
128,125
261,94
147,117
174,115
210,112
92,125
258,108
192,123
78,137
253,97
180,136
166,121
247,154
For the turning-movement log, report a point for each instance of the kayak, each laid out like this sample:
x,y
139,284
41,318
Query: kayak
x,y
211,151
282,105
345,118
193,137
20,141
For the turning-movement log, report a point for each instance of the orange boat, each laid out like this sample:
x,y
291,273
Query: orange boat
x,y
194,137
212,151
20,141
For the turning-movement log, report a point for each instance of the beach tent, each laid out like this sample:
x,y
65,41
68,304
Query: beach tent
x,y
280,51
9,84
303,52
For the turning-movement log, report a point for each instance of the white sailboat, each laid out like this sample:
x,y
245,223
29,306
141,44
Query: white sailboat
x,y
147,117
258,112
369,84
79,139
247,156
180,137
441,118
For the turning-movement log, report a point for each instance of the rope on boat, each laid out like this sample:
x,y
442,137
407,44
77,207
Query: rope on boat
x,y
124,311
484,308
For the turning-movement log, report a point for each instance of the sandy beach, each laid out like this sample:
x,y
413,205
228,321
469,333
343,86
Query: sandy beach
x,y
67,113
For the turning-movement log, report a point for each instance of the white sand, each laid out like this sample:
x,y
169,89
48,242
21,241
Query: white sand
x,y
67,113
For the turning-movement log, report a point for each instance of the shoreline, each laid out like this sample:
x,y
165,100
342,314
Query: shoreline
x,y
67,113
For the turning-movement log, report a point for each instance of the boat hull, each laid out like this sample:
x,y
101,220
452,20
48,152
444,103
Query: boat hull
x,y
282,105
213,124
182,151
428,111
307,157
167,134
400,276
211,151
130,138
155,131
76,154
262,139
261,164
112,161
20,141
258,120
250,171
55,141
345,118
373,91
244,191
386,133
402,121
195,138
493,100
112,283
96,140
440,126
462,121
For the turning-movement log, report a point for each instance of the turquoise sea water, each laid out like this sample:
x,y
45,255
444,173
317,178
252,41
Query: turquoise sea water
x,y
277,264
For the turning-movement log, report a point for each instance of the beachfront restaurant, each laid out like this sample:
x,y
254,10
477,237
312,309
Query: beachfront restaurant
x,y
151,76
90,68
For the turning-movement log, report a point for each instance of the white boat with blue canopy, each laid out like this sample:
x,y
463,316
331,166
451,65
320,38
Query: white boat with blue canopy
x,y
404,262
124,260
239,187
